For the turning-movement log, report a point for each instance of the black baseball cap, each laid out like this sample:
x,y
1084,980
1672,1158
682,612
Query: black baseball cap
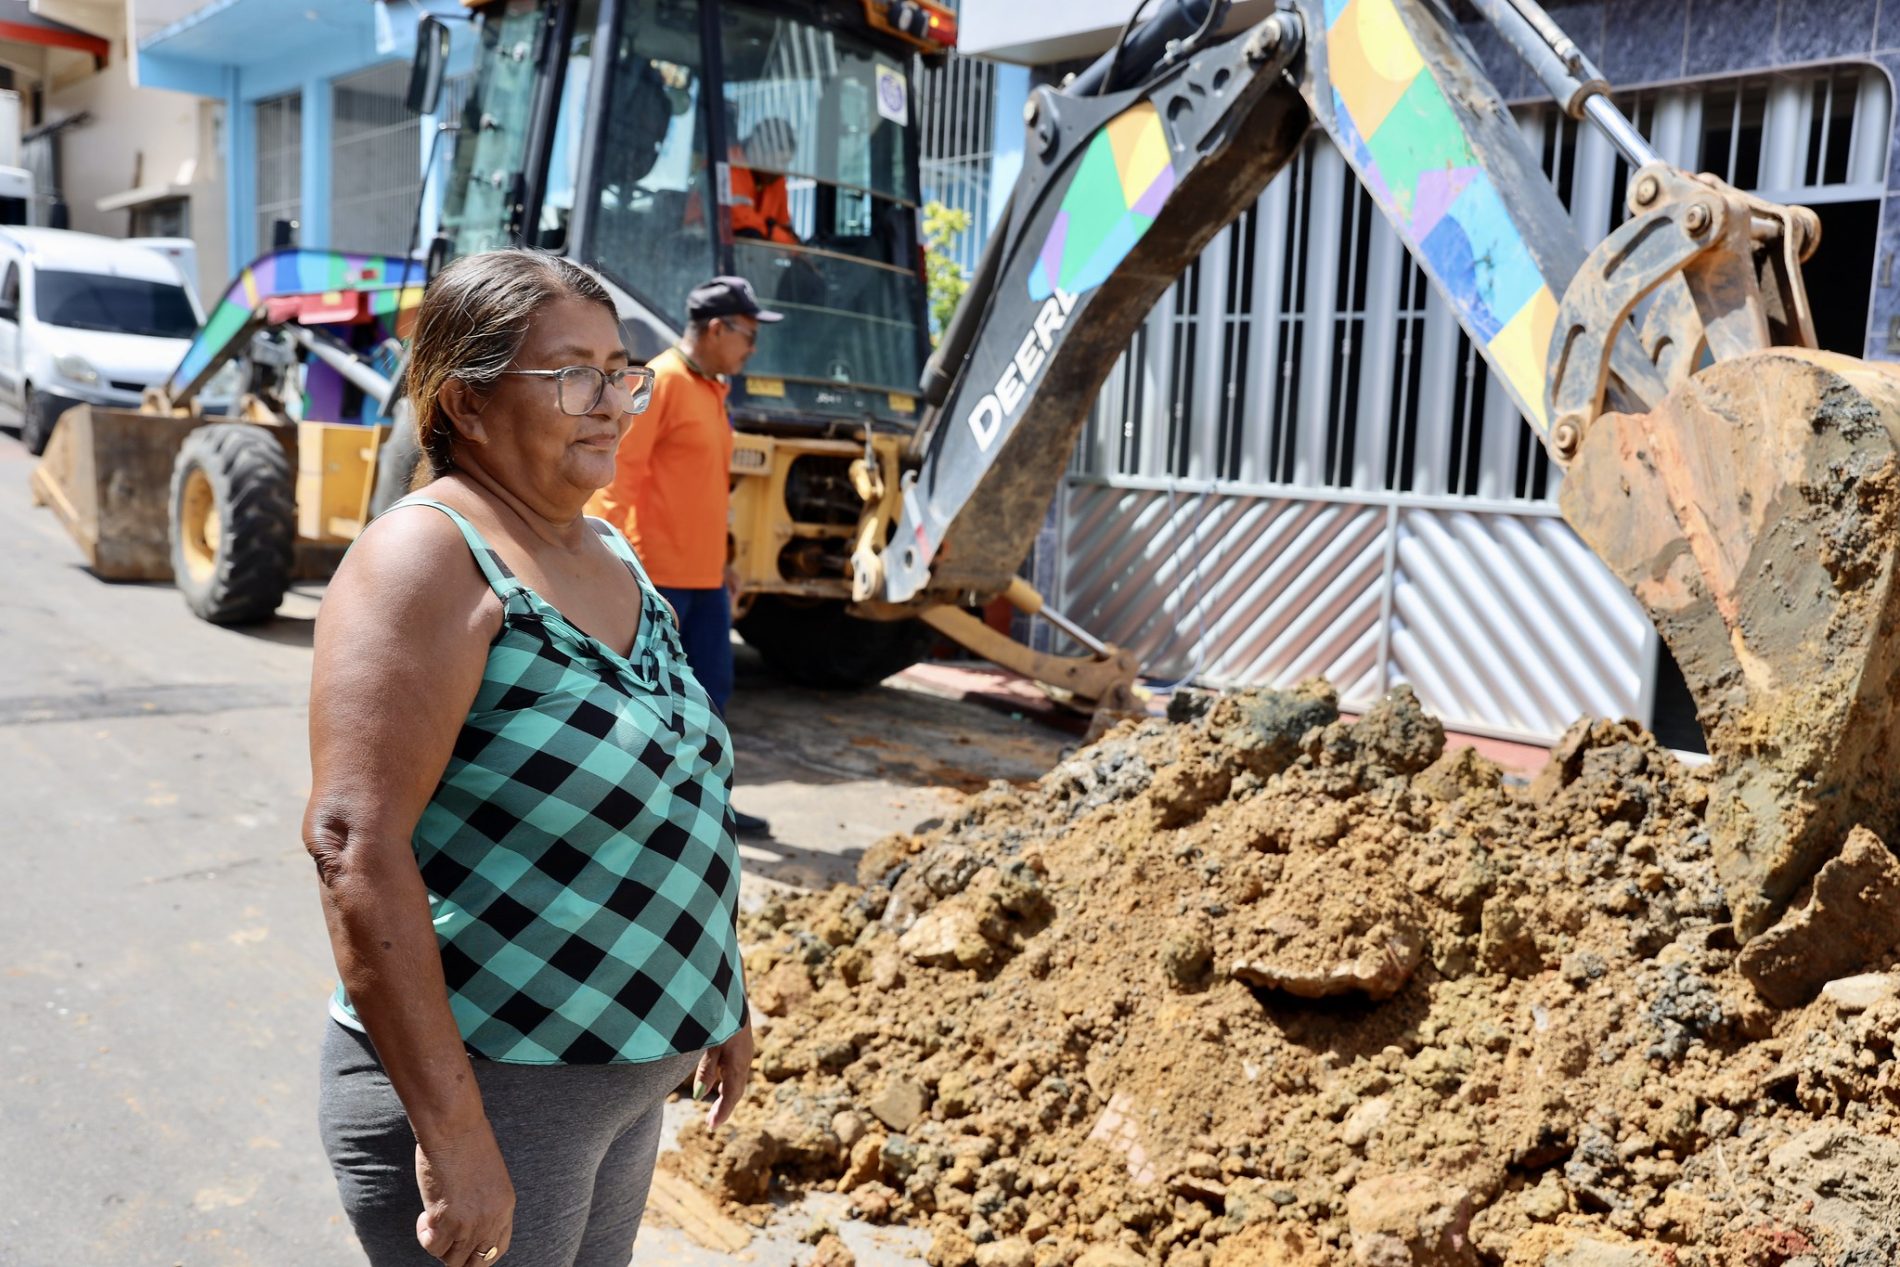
x,y
727,297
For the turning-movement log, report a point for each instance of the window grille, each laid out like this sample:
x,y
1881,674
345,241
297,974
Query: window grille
x,y
278,123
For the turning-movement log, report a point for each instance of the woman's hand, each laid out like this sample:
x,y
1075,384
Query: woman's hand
x,y
725,1069
468,1201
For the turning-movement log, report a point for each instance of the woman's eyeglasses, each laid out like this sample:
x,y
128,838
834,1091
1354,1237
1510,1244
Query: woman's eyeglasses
x,y
579,388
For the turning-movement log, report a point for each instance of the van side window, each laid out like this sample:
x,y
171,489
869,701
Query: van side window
x,y
10,288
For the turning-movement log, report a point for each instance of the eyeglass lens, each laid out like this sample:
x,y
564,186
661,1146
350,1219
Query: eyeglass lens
x,y
581,387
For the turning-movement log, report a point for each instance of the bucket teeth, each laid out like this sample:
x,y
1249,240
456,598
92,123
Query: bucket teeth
x,y
1756,515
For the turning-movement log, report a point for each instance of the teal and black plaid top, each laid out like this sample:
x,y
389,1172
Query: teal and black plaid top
x,y
579,851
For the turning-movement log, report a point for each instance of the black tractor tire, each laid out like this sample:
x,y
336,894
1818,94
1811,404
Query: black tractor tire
x,y
396,460
38,415
233,522
815,642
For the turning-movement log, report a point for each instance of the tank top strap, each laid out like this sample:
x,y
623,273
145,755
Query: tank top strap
x,y
500,579
623,549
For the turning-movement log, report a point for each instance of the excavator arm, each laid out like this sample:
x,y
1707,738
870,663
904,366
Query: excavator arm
x,y
1121,188
1745,486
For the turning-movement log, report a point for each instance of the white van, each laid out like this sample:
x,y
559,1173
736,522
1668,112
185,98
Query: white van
x,y
85,319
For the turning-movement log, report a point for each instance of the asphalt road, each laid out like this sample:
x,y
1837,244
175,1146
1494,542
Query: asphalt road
x,y
163,966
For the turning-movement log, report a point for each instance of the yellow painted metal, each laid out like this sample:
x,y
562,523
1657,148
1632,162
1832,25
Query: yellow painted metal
x,y
199,525
336,464
1105,681
107,475
761,526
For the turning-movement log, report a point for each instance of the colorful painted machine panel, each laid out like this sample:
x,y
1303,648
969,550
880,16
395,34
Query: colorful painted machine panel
x,y
1118,189
1401,134
391,288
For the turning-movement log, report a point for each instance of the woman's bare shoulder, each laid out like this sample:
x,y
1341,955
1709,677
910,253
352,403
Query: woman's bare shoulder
x,y
412,564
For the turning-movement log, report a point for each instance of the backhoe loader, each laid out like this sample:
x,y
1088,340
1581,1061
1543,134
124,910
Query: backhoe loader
x,y
1742,483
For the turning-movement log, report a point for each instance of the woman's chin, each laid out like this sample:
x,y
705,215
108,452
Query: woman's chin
x,y
590,467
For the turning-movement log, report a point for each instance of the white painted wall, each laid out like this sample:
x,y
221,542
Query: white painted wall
x,y
140,137
1057,30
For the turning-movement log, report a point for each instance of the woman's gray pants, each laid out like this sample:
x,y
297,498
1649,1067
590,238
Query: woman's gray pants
x,y
579,1141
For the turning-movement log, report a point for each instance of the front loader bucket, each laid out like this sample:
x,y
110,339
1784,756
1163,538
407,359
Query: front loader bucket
x,y
107,474
1756,514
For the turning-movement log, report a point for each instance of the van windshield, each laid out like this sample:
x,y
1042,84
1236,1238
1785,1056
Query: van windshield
x,y
120,305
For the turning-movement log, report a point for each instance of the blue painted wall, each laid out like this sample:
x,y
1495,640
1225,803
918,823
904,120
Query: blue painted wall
x,y
246,51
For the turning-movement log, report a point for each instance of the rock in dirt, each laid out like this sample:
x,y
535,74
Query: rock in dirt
x,y
1396,737
950,935
1263,729
1364,937
1014,1252
1857,994
1265,1245
1851,917
900,1105
781,989
1853,1181
950,1247
1111,1256
831,1252
1410,1220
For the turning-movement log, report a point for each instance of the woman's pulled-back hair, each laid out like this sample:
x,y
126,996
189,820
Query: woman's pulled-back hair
x,y
473,320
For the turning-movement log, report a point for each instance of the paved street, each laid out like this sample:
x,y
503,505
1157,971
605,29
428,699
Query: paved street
x,y
163,967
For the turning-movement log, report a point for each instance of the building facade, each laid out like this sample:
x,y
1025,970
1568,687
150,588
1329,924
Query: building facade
x,y
317,144
1301,466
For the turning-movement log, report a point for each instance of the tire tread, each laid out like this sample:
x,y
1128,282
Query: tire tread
x,y
255,485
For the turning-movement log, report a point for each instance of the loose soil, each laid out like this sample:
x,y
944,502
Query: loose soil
x,y
1255,985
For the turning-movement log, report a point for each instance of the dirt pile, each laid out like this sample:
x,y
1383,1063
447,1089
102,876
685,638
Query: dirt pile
x,y
1258,986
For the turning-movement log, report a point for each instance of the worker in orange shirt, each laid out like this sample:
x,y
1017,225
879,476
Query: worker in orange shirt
x,y
761,207
672,483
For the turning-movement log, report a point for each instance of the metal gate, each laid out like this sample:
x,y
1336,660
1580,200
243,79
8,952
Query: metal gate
x,y
1302,467
956,113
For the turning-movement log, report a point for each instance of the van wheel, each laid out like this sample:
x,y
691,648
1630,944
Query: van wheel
x,y
815,642
37,418
233,522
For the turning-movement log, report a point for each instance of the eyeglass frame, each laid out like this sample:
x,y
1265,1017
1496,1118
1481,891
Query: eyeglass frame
x,y
637,400
750,335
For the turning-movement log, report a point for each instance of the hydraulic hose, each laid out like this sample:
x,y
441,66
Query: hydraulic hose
x,y
1135,57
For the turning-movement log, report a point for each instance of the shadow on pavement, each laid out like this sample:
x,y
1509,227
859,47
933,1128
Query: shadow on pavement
x,y
289,631
835,771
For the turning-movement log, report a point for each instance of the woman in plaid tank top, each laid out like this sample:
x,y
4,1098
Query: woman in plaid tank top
x,y
520,810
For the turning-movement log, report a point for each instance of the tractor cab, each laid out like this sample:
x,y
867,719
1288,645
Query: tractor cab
x,y
665,141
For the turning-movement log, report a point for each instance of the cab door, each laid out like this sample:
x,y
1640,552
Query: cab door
x,y
489,198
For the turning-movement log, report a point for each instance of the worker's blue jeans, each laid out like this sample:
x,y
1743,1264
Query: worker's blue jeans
x,y
706,633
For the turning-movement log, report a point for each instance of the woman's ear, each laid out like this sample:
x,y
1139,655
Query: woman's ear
x,y
462,406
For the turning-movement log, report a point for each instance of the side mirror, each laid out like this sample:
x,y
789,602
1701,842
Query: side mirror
x,y
431,63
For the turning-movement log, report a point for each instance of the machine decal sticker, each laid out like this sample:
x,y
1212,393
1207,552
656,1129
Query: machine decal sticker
x,y
378,278
1399,132
893,95
1119,186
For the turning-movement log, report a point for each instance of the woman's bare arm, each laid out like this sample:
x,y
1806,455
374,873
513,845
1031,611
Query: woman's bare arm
x,y
401,643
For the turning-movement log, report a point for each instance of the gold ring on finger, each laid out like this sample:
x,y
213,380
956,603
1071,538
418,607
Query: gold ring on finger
x,y
491,1253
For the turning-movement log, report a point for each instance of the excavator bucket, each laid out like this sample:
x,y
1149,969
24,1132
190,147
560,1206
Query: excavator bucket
x,y
107,474
1756,513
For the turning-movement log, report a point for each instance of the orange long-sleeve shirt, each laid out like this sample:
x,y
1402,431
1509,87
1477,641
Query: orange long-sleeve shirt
x,y
761,205
673,478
